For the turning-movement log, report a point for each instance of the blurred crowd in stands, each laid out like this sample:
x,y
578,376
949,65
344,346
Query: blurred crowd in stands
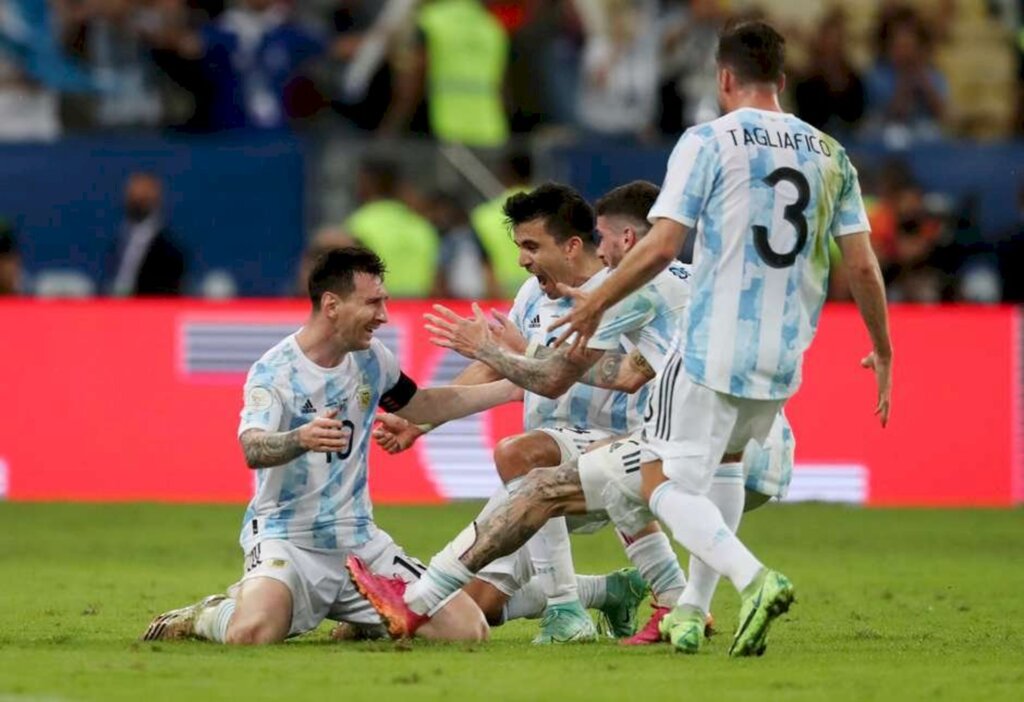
x,y
494,74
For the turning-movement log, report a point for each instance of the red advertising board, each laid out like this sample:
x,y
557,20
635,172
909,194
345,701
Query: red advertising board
x,y
133,400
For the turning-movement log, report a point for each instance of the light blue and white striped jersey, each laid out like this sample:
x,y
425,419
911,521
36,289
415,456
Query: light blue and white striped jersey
x,y
318,500
766,192
647,320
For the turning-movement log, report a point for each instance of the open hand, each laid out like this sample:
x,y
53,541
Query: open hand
x,y
582,321
464,336
507,334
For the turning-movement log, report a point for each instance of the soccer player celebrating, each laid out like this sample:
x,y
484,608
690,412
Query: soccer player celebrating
x,y
305,427
572,401
605,482
767,193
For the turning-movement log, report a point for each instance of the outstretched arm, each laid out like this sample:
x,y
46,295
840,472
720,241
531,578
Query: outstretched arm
x,y
649,257
545,372
434,406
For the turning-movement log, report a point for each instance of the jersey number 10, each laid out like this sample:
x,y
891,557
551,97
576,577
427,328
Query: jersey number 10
x,y
794,214
347,428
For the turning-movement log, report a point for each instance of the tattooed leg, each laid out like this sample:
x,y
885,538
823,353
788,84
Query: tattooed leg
x,y
543,494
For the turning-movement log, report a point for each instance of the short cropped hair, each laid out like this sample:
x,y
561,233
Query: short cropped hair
x,y
8,242
381,171
754,51
335,271
564,211
632,200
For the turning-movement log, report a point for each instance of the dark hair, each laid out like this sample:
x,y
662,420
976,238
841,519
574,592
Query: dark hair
x,y
382,172
564,211
8,244
896,19
519,166
335,271
752,50
633,200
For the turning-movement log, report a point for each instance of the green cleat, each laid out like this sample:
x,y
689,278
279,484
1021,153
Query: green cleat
x,y
684,628
566,623
625,591
764,600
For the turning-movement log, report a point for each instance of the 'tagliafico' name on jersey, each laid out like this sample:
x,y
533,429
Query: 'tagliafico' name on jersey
x,y
780,140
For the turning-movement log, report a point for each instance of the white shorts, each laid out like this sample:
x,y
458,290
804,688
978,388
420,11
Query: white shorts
x,y
320,584
769,468
690,427
573,442
612,484
611,481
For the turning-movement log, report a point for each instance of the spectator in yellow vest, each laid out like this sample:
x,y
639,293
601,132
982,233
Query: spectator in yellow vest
x,y
405,241
464,270
489,221
458,65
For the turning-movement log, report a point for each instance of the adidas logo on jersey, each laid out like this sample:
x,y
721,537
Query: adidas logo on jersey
x,y
535,322
308,408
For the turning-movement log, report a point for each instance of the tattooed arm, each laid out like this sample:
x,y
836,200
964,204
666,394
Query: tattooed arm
x,y
549,372
549,375
619,371
266,449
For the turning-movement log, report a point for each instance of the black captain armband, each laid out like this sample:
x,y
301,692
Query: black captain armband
x,y
399,395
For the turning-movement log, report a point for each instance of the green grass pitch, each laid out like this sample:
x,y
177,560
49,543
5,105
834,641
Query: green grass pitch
x,y
891,605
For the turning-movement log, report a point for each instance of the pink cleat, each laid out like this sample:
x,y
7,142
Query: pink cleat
x,y
651,634
387,596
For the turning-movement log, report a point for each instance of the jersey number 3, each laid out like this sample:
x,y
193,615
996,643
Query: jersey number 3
x,y
794,214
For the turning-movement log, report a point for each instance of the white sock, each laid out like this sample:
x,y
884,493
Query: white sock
x,y
592,590
445,574
728,494
551,554
212,622
658,565
528,602
698,526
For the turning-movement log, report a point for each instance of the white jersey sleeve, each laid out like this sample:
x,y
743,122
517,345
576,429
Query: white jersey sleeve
x,y
527,292
851,217
263,407
671,294
691,172
628,316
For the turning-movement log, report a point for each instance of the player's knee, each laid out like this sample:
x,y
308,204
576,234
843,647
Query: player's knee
x,y
507,459
516,456
475,629
461,620
251,633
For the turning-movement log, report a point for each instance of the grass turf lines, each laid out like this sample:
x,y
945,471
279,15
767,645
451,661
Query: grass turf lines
x,y
906,604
